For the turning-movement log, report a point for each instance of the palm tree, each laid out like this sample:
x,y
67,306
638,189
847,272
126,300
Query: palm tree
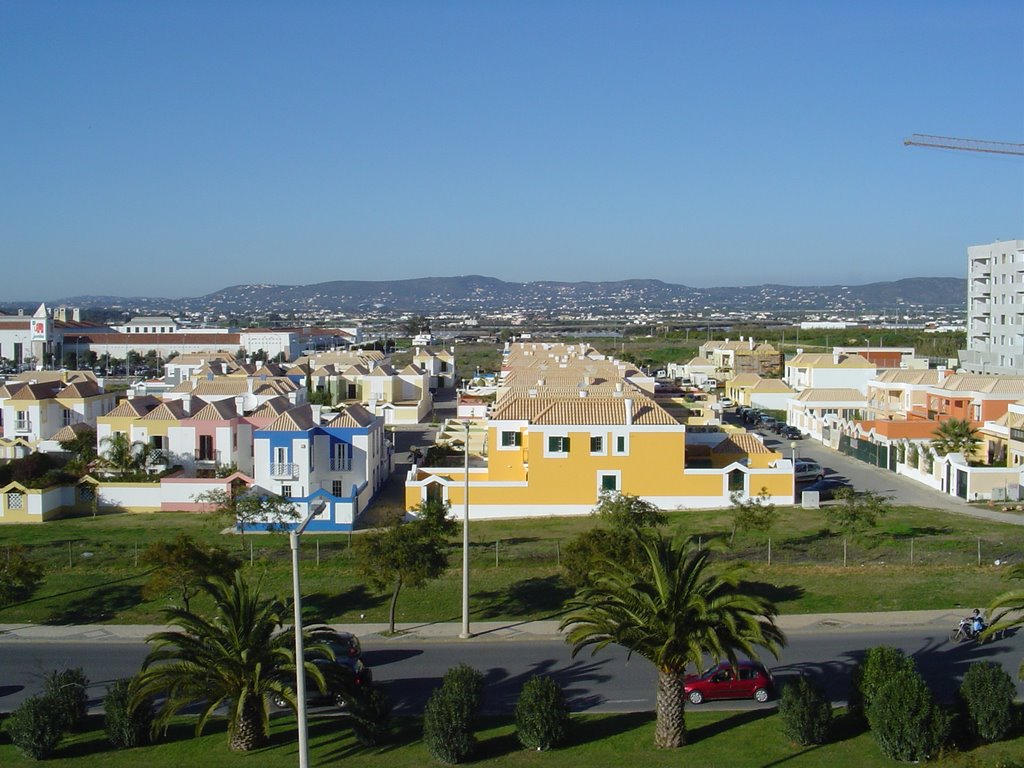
x,y
955,436
1007,610
120,453
672,610
235,659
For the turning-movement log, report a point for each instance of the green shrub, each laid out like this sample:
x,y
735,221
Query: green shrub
x,y
806,712
905,720
36,728
542,716
67,692
986,698
466,684
878,666
447,734
451,714
371,715
127,726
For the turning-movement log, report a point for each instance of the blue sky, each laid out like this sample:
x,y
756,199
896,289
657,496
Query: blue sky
x,y
174,148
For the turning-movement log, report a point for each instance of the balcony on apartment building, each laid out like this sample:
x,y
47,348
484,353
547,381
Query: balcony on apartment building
x,y
23,425
341,464
209,456
284,471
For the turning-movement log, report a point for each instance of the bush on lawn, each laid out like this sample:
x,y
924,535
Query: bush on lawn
x,y
466,684
127,726
878,667
371,715
451,713
542,716
67,692
36,727
986,699
806,712
449,738
905,720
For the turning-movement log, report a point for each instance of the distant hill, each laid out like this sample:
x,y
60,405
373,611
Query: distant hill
x,y
478,294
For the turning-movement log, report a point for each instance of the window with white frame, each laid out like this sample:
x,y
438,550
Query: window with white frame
x,y
511,438
597,445
338,488
609,481
621,445
286,491
558,445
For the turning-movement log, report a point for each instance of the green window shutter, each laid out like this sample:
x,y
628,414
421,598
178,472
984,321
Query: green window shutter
x,y
620,444
517,438
554,444
608,483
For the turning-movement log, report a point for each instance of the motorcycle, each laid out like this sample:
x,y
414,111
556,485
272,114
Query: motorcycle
x,y
965,631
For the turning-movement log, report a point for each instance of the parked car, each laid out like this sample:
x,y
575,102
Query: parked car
x,y
743,680
725,402
344,671
806,469
826,488
792,433
768,422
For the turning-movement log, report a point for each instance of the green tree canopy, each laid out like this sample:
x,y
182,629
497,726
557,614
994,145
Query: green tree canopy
x,y
680,607
19,576
183,565
856,511
407,554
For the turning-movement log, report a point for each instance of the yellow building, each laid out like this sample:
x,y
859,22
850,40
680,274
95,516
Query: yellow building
x,y
571,429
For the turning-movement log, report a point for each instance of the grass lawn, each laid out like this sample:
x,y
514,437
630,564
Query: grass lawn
x,y
734,739
94,570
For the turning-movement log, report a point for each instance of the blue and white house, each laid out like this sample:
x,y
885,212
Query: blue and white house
x,y
309,456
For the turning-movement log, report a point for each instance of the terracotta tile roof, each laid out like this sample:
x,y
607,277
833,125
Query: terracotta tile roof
x,y
767,386
969,382
744,380
170,410
9,388
353,416
741,443
902,376
71,431
580,410
134,408
700,361
382,370
825,360
81,389
220,386
411,370
272,408
219,410
836,395
298,419
46,391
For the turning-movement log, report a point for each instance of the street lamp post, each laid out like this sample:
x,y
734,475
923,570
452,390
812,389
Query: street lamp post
x,y
465,634
300,653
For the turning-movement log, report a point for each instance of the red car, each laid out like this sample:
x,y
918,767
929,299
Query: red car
x,y
742,680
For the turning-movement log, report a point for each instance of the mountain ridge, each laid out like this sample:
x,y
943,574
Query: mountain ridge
x,y
479,293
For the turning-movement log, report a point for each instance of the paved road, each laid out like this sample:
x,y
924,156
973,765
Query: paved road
x,y
412,667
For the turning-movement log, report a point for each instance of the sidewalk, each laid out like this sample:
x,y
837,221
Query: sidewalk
x,y
484,631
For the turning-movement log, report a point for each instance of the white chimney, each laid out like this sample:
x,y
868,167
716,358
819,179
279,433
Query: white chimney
x,y
751,342
583,393
628,402
186,402
240,405
316,413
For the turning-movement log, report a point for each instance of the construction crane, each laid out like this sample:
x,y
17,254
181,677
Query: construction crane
x,y
969,145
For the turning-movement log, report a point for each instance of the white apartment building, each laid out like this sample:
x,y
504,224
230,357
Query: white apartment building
x,y
995,308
